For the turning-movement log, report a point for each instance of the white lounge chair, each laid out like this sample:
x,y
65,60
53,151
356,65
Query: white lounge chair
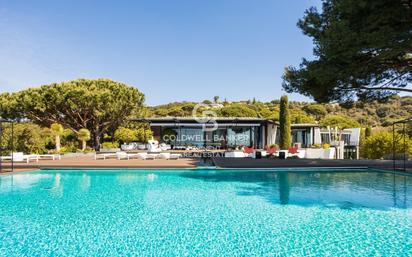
x,y
169,156
29,157
50,156
141,156
104,156
174,156
20,157
152,156
124,155
236,154
164,156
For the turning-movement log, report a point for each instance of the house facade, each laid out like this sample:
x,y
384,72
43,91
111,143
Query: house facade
x,y
233,133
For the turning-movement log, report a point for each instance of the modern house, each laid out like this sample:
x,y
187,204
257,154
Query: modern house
x,y
218,133
231,133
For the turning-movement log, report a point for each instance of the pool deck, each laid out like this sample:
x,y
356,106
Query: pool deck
x,y
307,163
88,162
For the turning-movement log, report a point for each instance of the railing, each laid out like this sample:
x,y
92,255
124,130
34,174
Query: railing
x,y
395,141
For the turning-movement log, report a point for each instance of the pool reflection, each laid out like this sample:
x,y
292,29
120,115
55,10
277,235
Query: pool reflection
x,y
343,189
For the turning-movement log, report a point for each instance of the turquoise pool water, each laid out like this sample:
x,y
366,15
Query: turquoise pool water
x,y
206,213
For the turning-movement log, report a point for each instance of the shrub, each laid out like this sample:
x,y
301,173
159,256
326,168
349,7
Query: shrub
x,y
125,135
28,138
380,144
108,145
143,135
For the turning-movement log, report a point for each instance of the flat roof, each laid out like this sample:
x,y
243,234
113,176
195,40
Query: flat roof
x,y
304,125
187,120
220,120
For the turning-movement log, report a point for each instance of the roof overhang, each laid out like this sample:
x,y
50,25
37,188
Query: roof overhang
x,y
203,121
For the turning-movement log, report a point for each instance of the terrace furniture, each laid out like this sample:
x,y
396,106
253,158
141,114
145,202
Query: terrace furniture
x,y
169,156
248,150
174,156
164,147
153,146
271,150
292,151
141,156
104,156
235,154
164,156
124,155
151,156
20,157
179,147
50,156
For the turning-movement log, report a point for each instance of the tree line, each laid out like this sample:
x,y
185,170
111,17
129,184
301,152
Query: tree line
x,y
97,106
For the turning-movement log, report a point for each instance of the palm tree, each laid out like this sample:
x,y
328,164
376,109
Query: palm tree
x,y
84,136
57,130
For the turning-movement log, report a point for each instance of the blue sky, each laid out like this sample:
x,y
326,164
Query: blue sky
x,y
171,50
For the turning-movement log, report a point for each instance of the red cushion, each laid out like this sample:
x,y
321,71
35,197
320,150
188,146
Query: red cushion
x,y
248,149
271,150
293,150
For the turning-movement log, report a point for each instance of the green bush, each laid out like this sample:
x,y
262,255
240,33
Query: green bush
x,y
378,145
28,138
143,135
125,135
108,145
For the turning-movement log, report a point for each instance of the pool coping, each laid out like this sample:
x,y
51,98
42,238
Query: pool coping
x,y
212,168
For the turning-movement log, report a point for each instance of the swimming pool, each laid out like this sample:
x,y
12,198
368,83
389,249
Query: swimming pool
x,y
206,213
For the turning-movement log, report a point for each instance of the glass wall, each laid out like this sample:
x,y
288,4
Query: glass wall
x,y
221,138
189,136
301,136
240,136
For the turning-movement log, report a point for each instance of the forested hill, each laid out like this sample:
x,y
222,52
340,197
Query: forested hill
x,y
374,114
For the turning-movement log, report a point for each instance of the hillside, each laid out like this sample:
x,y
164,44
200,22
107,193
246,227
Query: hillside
x,y
373,114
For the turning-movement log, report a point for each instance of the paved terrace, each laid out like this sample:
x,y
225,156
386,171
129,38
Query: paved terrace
x,y
306,163
88,162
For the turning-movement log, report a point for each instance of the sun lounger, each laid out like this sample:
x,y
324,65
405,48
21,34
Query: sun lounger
x,y
235,154
141,156
50,156
152,156
124,155
20,157
104,156
164,156
174,156
29,157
